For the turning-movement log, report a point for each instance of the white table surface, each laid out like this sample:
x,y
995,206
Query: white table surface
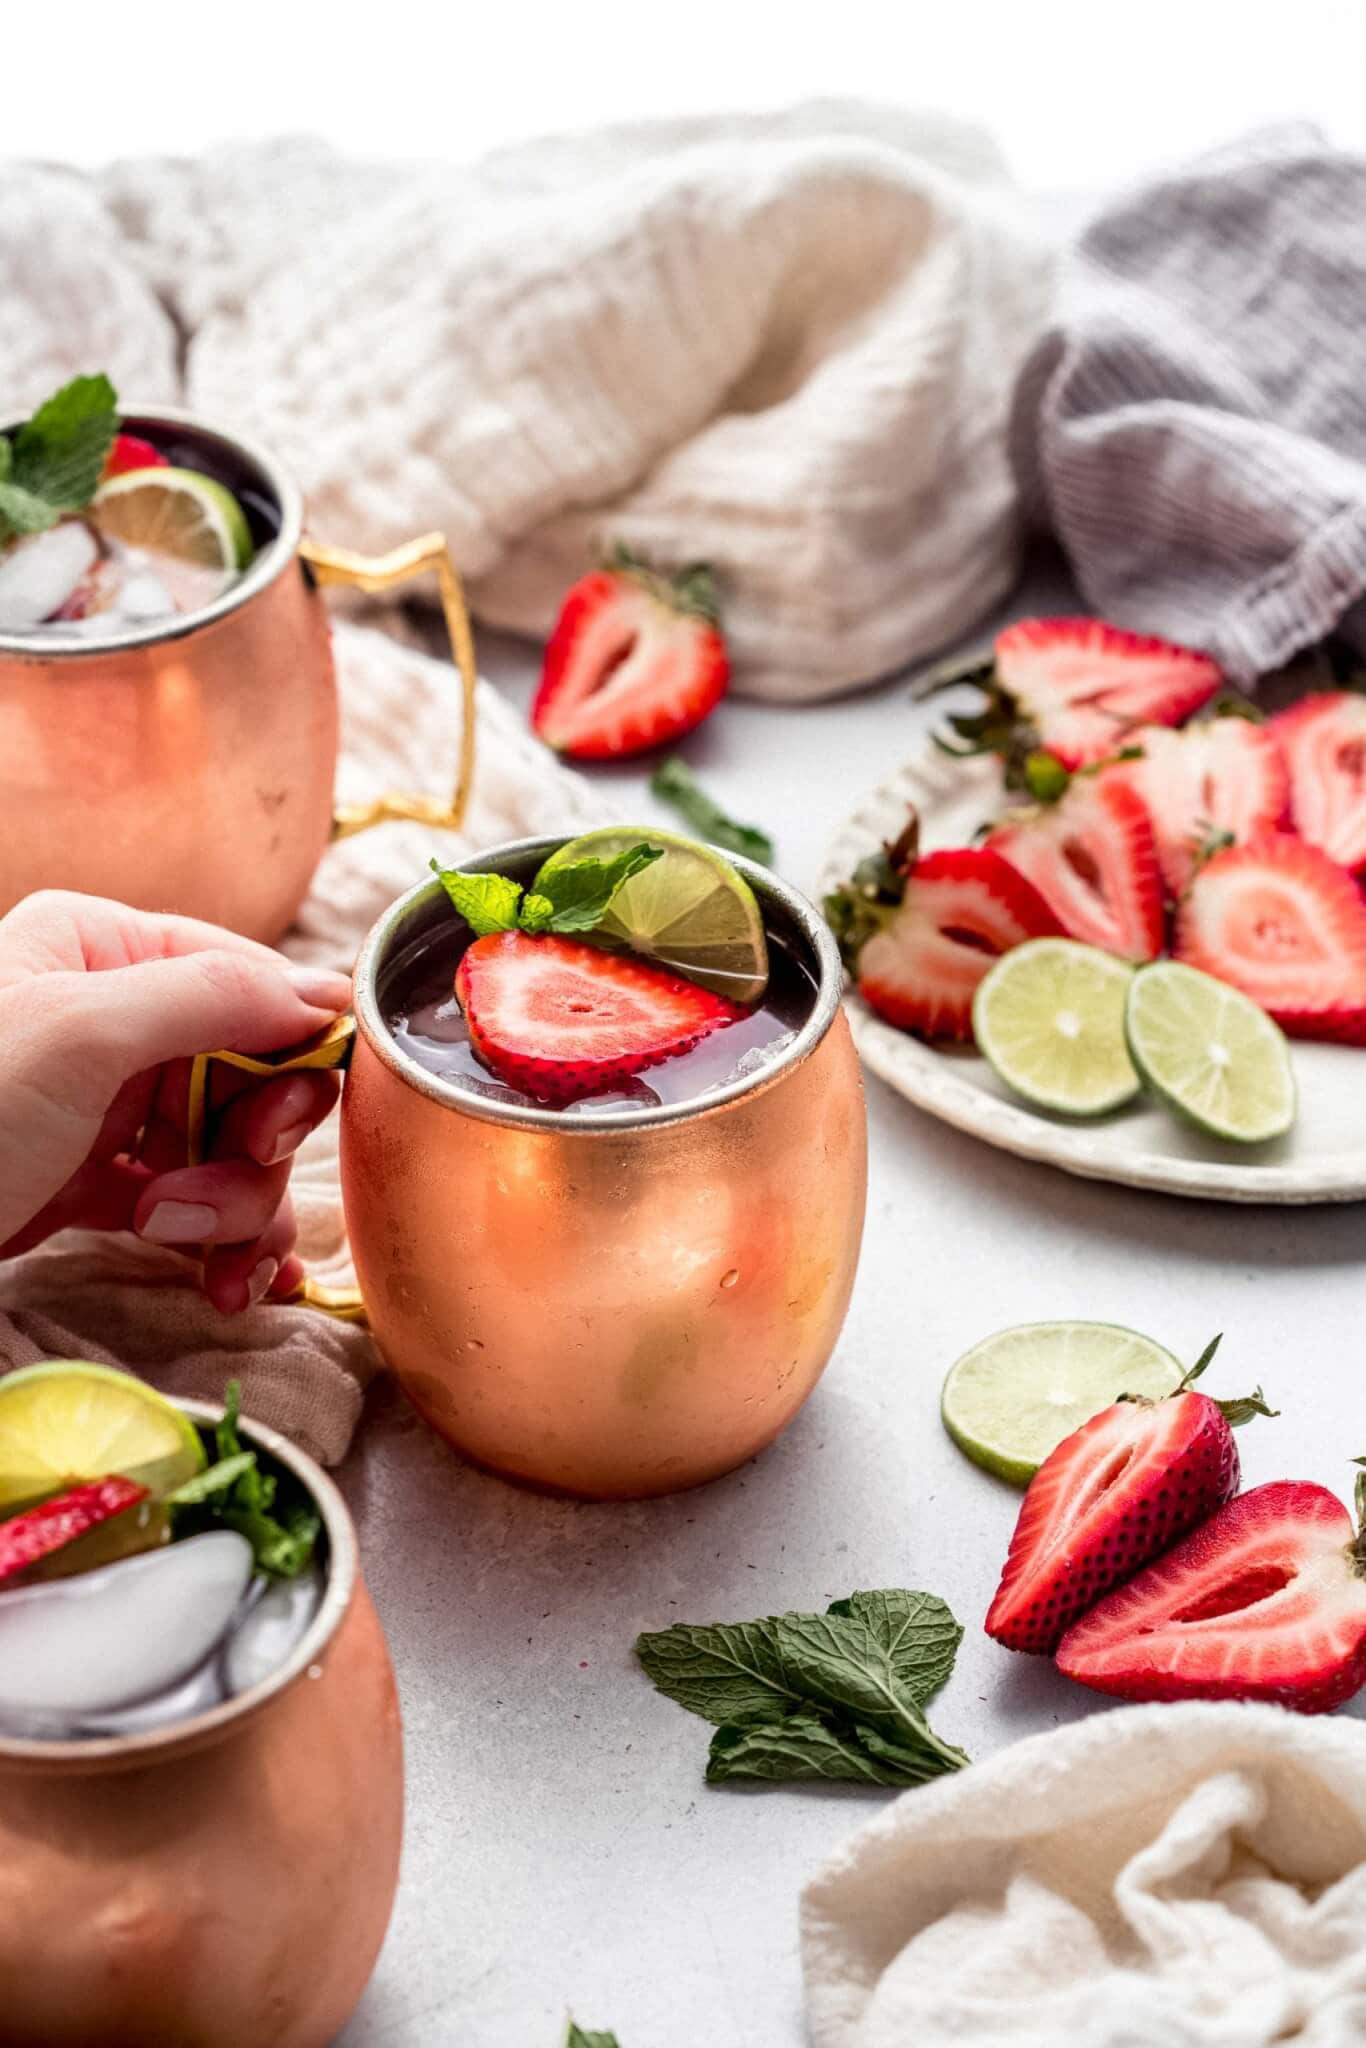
x,y
562,1850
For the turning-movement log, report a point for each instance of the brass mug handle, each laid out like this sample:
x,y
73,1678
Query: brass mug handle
x,y
374,573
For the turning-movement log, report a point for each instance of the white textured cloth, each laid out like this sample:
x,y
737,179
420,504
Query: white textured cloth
x,y
1154,1877
784,343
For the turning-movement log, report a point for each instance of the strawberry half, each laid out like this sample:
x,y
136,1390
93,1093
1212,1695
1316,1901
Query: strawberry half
x,y
1323,740
560,1019
30,1537
1286,925
1225,776
635,659
1091,855
1078,687
919,934
131,452
1110,1497
1266,1602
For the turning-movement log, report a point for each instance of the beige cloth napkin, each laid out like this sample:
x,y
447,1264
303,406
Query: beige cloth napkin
x,y
783,342
1154,1877
124,1303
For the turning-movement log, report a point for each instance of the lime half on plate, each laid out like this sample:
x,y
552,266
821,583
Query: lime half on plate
x,y
1013,1398
689,911
67,1421
1050,1018
1210,1052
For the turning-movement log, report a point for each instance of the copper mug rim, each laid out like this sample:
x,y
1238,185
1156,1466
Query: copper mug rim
x,y
269,561
179,1738
404,918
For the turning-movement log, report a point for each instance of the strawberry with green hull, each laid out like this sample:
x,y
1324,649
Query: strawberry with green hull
x,y
1090,854
918,934
1323,741
1267,1601
1285,924
561,1019
1112,1496
635,660
1221,777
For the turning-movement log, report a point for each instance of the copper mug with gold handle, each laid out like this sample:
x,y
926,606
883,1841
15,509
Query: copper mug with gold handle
x,y
188,764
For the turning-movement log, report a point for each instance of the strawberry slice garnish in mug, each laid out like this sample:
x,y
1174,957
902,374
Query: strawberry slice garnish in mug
x,y
27,1539
130,451
1109,1498
1267,1601
1091,855
1223,776
1286,925
559,1018
1323,740
918,934
636,659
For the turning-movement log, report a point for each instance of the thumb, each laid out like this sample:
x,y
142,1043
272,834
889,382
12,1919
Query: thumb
x,y
120,1021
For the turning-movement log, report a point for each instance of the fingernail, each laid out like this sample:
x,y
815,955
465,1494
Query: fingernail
x,y
180,1223
288,1141
261,1278
319,986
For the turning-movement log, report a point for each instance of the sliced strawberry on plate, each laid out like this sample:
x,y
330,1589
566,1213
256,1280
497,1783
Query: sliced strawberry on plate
x,y
560,1019
636,659
1267,1601
1224,776
1323,740
1286,925
918,934
130,451
28,1538
1111,1496
1092,857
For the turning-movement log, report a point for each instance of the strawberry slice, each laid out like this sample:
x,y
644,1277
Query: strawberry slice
x,y
1323,740
560,1019
1286,925
1092,857
30,1537
919,934
1266,1602
636,659
1225,776
131,452
1110,1497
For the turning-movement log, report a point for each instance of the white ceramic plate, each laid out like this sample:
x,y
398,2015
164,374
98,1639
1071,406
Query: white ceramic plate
x,y
1323,1159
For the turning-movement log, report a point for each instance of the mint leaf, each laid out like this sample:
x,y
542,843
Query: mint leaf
x,y
535,913
916,1630
674,783
22,512
213,1479
726,1672
840,1665
6,457
796,1747
578,2038
488,903
234,1493
580,892
59,455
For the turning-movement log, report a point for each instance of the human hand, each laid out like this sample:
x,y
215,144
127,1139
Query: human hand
x,y
101,1009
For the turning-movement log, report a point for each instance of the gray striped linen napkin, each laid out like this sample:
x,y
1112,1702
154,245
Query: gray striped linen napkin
x,y
1193,426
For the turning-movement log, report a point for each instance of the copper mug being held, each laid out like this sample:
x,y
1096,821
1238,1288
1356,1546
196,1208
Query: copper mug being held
x,y
188,764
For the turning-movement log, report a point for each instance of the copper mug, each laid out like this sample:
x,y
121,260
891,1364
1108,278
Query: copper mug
x,y
188,764
224,1880
606,1305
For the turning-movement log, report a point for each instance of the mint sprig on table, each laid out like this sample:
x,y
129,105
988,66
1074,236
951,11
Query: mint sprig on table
x,y
674,783
53,463
578,2037
839,1695
573,898
234,1493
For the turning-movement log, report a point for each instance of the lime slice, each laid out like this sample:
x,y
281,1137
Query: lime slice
x,y
194,527
68,1421
689,911
1210,1052
1050,1018
1013,1398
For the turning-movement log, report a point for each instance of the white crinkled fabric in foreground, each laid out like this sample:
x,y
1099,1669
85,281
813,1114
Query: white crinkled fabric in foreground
x,y
1183,1876
784,342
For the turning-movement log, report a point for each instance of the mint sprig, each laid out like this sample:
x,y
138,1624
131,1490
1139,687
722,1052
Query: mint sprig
x,y
573,898
55,461
234,1493
674,783
579,2037
839,1695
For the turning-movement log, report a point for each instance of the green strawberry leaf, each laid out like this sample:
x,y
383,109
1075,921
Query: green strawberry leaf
x,y
488,903
60,453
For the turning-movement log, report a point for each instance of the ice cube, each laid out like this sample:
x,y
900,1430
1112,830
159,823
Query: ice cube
x,y
107,1638
268,1633
629,1095
39,574
758,1057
